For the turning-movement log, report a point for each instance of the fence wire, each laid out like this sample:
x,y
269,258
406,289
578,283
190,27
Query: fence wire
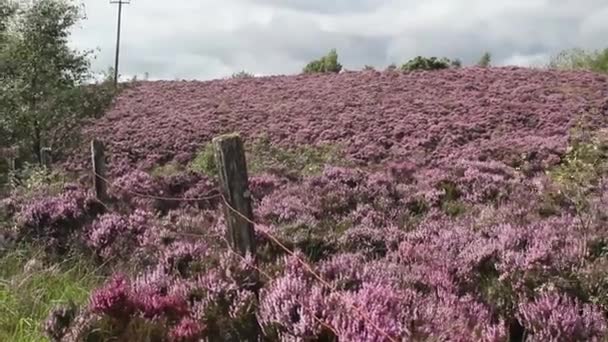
x,y
309,268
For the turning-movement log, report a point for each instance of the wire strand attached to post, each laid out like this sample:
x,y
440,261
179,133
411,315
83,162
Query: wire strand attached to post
x,y
271,237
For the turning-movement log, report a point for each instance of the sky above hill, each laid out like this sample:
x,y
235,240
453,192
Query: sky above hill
x,y
204,39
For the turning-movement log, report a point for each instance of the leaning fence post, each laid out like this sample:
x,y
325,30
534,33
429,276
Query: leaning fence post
x,y
99,169
234,186
45,157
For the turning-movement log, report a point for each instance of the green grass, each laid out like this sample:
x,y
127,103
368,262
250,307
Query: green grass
x,y
166,170
263,156
27,296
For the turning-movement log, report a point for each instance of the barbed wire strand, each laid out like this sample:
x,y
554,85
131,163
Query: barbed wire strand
x,y
177,199
270,278
265,274
274,239
311,271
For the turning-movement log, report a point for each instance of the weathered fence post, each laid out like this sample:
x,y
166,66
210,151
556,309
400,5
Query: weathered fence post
x,y
99,169
234,186
45,157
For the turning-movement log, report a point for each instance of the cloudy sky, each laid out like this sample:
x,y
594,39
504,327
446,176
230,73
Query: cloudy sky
x,y
205,39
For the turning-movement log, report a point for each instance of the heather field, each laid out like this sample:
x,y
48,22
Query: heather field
x,y
455,205
425,117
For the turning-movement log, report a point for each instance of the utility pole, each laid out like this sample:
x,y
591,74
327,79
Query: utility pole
x,y
120,3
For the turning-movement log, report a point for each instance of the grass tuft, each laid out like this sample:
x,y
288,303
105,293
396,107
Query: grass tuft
x,y
30,289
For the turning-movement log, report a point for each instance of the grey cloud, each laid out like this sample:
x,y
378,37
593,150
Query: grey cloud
x,y
325,6
211,38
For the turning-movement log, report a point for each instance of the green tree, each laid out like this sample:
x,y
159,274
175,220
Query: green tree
x,y
424,63
43,81
327,63
485,60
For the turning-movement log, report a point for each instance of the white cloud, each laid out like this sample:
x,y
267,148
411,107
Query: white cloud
x,y
212,38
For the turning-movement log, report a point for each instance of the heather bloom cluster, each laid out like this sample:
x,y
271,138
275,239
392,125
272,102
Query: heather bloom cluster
x,y
192,291
113,235
554,316
136,188
55,218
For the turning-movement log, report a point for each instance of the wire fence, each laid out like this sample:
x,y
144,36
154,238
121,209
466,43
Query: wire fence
x,y
274,239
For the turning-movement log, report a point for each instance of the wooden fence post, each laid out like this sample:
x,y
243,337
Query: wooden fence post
x,y
99,169
234,186
45,157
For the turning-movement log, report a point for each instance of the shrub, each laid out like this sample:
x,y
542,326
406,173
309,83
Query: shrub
x,y
328,63
242,74
485,60
554,316
54,219
423,63
204,162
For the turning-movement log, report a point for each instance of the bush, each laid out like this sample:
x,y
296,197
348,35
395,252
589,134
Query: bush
x,y
242,74
204,162
327,63
423,63
485,60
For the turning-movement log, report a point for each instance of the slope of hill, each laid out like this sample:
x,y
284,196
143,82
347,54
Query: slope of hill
x,y
478,114
461,247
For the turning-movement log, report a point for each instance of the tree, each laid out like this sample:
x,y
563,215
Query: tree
x,y
43,92
485,60
327,63
423,63
242,74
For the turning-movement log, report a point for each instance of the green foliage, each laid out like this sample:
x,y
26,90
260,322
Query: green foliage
x,y
423,63
33,178
166,170
301,160
263,156
328,63
204,162
29,289
485,60
580,59
582,171
242,74
43,96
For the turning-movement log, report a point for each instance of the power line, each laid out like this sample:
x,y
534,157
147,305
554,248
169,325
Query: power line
x,y
120,3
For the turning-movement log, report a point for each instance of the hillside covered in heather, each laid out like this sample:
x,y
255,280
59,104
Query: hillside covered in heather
x,y
424,117
464,205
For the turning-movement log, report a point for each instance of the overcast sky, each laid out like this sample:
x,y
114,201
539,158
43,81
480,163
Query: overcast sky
x,y
205,39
